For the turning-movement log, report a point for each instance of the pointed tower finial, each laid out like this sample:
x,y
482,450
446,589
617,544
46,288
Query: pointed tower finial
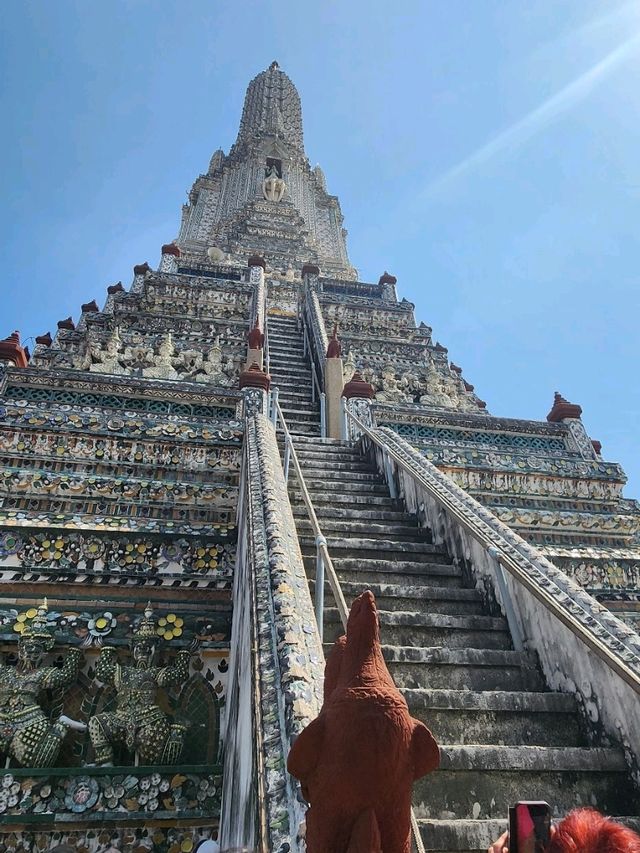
x,y
271,109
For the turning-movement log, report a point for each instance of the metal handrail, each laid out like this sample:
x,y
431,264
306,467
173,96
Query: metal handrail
x,y
323,560
592,642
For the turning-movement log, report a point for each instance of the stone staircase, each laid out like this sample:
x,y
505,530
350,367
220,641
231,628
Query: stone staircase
x,y
291,374
503,736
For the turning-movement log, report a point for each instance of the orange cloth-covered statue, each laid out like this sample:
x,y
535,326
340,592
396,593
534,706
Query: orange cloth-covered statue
x,y
358,759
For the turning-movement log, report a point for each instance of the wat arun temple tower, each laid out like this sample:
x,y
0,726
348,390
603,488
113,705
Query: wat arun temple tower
x,y
158,560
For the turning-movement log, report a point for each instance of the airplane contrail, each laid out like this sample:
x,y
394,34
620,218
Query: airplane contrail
x,y
534,121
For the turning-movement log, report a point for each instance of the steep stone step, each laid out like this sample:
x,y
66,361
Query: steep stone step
x,y
325,490
463,669
342,513
322,500
432,630
325,445
347,466
366,573
353,527
324,476
362,547
303,395
401,597
298,415
321,460
460,836
494,717
482,781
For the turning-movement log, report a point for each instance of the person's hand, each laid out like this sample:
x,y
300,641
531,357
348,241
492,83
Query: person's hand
x,y
500,846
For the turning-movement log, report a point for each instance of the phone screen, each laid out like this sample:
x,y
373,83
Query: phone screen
x,y
529,827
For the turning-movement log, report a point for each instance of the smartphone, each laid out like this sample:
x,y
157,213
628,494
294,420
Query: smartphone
x,y
529,827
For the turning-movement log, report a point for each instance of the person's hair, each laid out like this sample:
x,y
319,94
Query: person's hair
x,y
588,831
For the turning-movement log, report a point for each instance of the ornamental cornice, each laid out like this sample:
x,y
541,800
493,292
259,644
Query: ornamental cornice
x,y
143,388
416,415
115,524
107,422
21,483
518,463
523,483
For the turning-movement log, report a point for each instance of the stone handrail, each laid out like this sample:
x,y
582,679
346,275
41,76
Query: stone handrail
x,y
275,689
583,648
314,322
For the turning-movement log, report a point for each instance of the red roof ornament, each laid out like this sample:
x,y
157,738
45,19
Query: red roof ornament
x,y
468,386
439,348
482,404
67,324
334,350
255,377
115,288
256,338
386,278
90,307
358,387
171,249
141,269
11,351
310,269
597,445
45,340
257,261
455,368
562,409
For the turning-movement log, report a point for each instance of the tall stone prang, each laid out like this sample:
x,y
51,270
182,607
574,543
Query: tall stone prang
x,y
235,208
147,495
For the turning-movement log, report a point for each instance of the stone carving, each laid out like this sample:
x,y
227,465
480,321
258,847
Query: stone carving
x,y
107,360
359,787
273,186
138,723
349,366
26,733
393,390
162,367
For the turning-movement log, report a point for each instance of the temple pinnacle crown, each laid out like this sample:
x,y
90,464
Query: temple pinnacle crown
x,y
271,108
263,197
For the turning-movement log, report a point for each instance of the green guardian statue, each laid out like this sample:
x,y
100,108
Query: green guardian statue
x,y
26,732
138,723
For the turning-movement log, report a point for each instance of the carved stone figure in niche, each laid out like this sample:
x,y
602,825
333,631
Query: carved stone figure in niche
x,y
392,390
162,362
26,733
189,362
211,367
273,186
107,360
349,366
138,723
441,390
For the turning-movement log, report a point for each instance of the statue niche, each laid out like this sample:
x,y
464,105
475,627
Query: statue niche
x,y
273,187
26,733
162,367
107,359
138,723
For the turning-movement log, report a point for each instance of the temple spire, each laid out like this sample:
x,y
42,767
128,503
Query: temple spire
x,y
271,108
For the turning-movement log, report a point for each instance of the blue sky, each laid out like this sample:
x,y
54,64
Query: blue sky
x,y
484,152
